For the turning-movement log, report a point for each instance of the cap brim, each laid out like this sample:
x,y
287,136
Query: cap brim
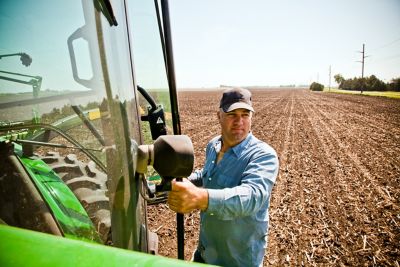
x,y
238,105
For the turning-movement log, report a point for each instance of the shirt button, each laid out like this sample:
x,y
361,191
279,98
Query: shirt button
x,y
209,178
212,214
212,161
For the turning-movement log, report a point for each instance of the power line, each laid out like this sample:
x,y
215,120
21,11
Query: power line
x,y
385,45
387,58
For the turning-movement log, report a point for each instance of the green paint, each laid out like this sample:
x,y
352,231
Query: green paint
x,y
28,248
65,207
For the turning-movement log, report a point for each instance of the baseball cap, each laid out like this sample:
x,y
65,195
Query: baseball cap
x,y
234,98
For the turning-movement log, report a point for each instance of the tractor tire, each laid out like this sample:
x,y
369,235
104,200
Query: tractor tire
x,y
89,186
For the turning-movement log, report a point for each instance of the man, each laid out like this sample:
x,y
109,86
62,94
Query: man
x,y
237,177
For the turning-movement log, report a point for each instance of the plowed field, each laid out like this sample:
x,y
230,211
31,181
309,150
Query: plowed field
x,y
336,201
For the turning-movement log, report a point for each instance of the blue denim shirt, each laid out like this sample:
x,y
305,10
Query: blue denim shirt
x,y
234,227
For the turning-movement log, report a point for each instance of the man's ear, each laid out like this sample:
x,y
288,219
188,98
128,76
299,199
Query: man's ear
x,y
219,115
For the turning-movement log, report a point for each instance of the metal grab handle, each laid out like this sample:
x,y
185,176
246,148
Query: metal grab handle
x,y
78,34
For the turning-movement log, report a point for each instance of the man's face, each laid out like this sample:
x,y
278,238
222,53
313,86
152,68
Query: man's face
x,y
235,125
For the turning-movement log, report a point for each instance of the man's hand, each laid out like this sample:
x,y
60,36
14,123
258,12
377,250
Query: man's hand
x,y
186,197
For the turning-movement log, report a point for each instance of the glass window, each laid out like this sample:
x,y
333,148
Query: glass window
x,y
49,70
148,59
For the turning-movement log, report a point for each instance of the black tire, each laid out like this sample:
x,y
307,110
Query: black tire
x,y
89,186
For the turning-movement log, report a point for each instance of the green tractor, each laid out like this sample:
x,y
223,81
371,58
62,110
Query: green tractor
x,y
89,131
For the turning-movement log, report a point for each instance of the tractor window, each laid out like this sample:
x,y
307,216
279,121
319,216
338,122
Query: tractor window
x,y
148,59
63,65
34,58
50,72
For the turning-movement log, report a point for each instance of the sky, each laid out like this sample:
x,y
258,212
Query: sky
x,y
264,42
215,42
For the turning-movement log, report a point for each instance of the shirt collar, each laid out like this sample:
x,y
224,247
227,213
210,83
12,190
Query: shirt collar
x,y
238,149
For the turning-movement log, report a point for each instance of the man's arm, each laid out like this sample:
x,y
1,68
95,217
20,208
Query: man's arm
x,y
248,197
227,203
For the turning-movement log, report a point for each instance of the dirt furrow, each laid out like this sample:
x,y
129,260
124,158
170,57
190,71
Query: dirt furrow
x,y
383,122
322,211
365,147
268,125
386,149
357,182
363,150
281,191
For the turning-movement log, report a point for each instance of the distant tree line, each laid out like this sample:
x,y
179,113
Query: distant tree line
x,y
371,83
316,87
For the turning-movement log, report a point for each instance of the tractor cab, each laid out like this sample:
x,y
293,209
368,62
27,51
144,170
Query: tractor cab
x,y
87,96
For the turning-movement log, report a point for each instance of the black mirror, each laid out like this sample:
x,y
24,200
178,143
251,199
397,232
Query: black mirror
x,y
172,156
26,60
156,119
155,116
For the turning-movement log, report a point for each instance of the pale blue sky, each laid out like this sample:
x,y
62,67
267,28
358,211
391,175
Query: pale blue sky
x,y
263,42
230,42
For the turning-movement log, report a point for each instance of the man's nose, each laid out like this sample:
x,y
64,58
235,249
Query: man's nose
x,y
238,119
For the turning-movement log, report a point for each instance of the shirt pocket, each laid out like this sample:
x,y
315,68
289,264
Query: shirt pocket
x,y
205,174
227,181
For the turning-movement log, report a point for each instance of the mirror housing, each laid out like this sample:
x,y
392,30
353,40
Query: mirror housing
x,y
172,156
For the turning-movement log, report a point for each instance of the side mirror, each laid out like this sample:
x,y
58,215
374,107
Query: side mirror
x,y
172,156
155,115
26,60
156,120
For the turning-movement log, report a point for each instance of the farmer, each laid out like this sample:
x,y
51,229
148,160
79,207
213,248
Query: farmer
x,y
237,179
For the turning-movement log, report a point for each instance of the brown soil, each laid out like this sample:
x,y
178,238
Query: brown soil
x,y
336,201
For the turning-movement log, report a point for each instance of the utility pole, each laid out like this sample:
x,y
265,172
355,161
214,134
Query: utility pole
x,y
362,62
330,73
362,66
